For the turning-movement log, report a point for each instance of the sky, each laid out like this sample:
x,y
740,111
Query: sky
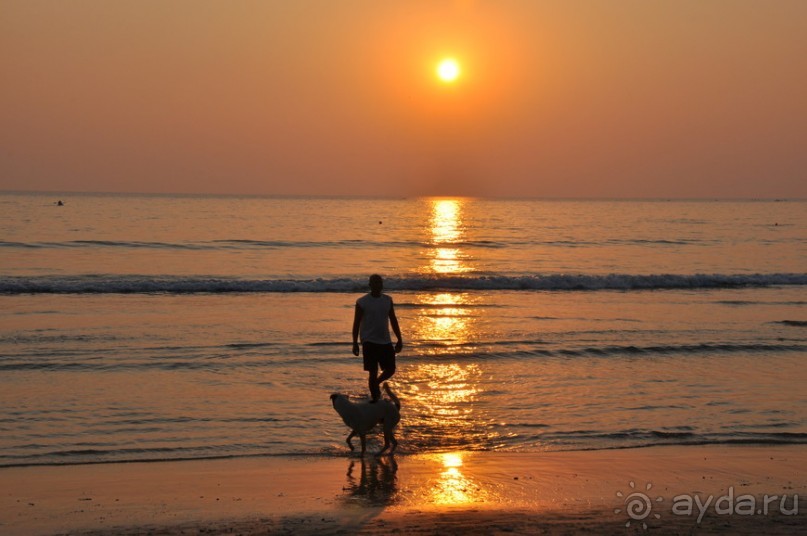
x,y
565,98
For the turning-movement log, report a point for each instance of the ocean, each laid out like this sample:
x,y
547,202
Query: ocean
x,y
137,327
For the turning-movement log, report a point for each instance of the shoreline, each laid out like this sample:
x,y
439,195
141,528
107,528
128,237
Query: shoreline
x,y
402,453
456,492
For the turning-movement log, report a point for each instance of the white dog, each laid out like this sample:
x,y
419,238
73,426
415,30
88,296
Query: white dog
x,y
361,417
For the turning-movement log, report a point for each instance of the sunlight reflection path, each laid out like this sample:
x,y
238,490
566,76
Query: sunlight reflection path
x,y
447,233
444,391
445,320
444,407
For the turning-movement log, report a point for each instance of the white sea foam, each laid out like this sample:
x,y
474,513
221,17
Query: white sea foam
x,y
117,284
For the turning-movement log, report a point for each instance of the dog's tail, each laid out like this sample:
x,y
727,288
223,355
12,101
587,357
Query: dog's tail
x,y
392,396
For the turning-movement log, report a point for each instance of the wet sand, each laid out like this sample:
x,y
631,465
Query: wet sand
x,y
451,493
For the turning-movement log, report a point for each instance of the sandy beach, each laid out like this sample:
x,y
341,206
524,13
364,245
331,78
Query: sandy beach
x,y
448,493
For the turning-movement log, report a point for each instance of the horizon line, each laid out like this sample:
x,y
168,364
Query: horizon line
x,y
393,197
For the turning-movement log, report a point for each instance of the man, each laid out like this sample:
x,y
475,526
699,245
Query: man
x,y
374,314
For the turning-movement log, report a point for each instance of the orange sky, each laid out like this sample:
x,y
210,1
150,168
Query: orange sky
x,y
566,98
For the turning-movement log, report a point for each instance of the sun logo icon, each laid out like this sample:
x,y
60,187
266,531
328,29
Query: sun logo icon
x,y
638,505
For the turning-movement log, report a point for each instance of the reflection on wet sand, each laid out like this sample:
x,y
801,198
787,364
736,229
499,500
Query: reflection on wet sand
x,y
452,487
376,484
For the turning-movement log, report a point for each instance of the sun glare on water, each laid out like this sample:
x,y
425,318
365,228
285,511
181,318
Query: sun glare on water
x,y
448,70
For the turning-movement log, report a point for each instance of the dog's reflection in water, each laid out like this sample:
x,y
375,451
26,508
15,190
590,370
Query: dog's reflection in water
x,y
375,484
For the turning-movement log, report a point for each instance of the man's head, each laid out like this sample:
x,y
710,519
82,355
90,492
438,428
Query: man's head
x,y
376,284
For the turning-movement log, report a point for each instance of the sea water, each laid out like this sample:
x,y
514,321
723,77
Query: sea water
x,y
138,327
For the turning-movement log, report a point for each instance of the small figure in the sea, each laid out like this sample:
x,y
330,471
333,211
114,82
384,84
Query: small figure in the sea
x,y
373,316
59,203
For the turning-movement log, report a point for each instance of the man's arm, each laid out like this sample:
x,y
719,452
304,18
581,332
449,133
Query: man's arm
x,y
356,323
393,320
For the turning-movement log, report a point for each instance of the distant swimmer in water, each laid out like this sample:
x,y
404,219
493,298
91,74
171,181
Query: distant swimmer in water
x,y
59,203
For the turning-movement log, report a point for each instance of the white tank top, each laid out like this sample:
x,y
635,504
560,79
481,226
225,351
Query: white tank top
x,y
375,318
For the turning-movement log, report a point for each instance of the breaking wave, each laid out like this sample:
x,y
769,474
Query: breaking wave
x,y
245,244
135,284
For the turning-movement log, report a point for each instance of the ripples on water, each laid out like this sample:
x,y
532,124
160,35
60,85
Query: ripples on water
x,y
165,328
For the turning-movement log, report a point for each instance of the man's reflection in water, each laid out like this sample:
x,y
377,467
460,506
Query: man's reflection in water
x,y
376,483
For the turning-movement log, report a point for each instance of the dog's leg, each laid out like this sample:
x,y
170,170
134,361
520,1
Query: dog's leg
x,y
387,435
363,438
349,444
389,440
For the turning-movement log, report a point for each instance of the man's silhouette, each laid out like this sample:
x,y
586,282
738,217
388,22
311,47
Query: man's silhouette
x,y
374,314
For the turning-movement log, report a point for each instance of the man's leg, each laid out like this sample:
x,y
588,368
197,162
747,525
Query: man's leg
x,y
386,375
387,363
371,366
375,386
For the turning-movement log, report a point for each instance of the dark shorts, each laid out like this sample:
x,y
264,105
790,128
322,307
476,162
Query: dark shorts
x,y
376,355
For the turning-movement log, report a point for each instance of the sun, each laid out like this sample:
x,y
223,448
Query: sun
x,y
448,70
